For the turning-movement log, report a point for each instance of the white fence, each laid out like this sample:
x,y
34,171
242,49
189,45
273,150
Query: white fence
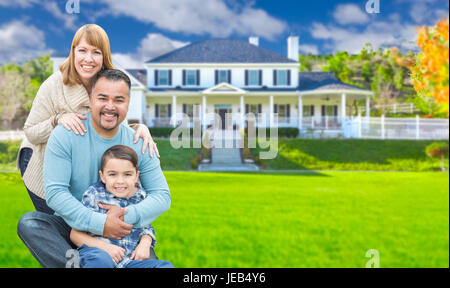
x,y
11,135
397,128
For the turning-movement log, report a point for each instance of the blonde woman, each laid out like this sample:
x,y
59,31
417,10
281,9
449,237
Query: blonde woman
x,y
63,99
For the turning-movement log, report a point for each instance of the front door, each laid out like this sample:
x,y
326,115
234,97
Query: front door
x,y
222,113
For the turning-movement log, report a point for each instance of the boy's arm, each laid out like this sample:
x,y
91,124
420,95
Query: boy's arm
x,y
149,232
79,238
158,195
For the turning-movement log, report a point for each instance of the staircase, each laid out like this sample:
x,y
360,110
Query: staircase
x,y
225,154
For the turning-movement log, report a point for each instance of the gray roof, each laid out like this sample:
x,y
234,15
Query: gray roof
x,y
139,74
221,51
323,81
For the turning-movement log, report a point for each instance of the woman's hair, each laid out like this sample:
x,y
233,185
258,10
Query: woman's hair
x,y
95,36
120,152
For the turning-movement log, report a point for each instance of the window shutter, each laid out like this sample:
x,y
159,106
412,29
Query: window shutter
x,y
184,109
170,110
275,108
323,110
217,77
247,108
312,110
198,77
260,77
184,77
259,108
274,77
335,110
289,77
229,76
156,111
170,77
156,77
246,78
288,110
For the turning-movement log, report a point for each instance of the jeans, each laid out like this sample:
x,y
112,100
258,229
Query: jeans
x,y
92,257
39,203
48,239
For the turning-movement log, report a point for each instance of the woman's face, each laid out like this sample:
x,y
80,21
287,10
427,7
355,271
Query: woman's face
x,y
88,60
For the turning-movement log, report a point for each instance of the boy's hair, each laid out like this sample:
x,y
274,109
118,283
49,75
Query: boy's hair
x,y
120,152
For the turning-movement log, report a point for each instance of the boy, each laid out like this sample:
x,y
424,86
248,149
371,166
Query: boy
x,y
119,186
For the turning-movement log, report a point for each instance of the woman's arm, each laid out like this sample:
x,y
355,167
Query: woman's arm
x,y
143,132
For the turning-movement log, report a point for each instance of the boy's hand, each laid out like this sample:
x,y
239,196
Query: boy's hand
x,y
116,252
142,251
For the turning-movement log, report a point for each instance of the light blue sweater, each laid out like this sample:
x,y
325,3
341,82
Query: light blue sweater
x,y
71,164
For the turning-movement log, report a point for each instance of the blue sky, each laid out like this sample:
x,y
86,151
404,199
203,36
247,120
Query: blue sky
x,y
142,29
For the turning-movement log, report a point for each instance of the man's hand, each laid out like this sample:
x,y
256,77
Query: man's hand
x,y
115,227
142,251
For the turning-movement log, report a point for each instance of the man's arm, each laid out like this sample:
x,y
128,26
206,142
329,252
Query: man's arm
x,y
57,174
158,195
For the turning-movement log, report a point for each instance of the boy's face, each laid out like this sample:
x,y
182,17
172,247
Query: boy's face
x,y
120,177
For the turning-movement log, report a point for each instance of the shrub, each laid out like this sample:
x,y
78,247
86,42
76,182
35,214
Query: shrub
x,y
438,150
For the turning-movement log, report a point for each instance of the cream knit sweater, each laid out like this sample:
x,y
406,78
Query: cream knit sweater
x,y
53,98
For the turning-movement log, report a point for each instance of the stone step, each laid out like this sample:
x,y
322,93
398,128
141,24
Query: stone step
x,y
227,168
226,156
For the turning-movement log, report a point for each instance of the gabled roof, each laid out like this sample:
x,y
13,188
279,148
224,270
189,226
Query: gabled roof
x,y
221,51
323,81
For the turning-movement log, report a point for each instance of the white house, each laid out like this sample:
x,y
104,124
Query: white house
x,y
234,76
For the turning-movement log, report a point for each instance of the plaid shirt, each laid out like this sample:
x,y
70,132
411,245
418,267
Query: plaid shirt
x,y
97,193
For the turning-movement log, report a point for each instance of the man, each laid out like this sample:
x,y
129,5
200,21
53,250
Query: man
x,y
72,163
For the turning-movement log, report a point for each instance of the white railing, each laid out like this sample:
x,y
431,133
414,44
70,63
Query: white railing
x,y
11,135
396,128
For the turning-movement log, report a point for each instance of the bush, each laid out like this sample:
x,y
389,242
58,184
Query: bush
x,y
8,151
285,132
438,150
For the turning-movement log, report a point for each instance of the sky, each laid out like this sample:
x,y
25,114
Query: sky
x,y
140,30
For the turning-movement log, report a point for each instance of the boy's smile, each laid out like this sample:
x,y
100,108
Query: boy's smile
x,y
120,177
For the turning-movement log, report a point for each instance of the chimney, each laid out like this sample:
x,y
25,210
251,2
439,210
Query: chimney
x,y
292,42
254,41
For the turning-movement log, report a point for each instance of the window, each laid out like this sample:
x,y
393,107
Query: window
x,y
282,77
329,110
253,77
282,111
253,108
223,76
308,111
191,77
163,77
164,111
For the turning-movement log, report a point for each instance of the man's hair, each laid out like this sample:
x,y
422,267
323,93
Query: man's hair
x,y
120,152
113,75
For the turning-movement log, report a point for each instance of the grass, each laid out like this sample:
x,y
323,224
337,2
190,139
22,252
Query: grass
x,y
332,154
282,220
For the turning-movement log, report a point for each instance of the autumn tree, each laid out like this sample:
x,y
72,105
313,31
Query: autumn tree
x,y
430,72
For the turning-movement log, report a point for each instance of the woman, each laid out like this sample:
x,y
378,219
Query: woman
x,y
63,99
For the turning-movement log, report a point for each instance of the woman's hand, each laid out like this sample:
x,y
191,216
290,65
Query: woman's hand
x,y
72,121
143,132
142,251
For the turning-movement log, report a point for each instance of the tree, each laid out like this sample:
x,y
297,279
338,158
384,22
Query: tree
x,y
430,72
438,150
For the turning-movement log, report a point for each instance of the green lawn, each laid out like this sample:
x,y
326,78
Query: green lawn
x,y
351,154
282,220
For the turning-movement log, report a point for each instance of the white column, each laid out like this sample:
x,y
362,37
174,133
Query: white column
x,y
242,124
417,127
367,107
174,111
300,112
271,111
204,112
343,108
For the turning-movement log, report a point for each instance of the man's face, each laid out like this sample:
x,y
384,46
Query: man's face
x,y
109,104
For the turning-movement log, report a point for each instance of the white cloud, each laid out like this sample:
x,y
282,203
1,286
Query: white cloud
x,y
18,3
379,34
68,19
21,42
308,49
350,14
213,17
153,45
